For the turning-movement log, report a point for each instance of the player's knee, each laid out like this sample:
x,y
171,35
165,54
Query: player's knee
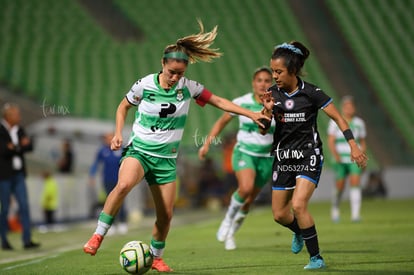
x,y
280,216
123,188
298,207
244,192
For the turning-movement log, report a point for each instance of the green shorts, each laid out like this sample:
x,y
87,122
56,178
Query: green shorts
x,y
157,170
344,169
262,166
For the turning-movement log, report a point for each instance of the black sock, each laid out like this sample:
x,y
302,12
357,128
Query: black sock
x,y
294,226
311,240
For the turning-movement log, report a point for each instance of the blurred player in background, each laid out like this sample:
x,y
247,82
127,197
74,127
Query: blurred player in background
x,y
163,103
344,167
297,146
251,158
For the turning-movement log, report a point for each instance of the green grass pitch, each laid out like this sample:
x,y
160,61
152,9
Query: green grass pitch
x,y
382,243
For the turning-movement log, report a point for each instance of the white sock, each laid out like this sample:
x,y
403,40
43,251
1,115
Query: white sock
x,y
102,228
237,223
157,252
234,207
355,199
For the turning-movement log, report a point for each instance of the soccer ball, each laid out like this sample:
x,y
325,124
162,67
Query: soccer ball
x,y
135,257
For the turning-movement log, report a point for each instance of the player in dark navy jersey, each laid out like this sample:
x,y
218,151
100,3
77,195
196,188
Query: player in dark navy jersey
x,y
297,146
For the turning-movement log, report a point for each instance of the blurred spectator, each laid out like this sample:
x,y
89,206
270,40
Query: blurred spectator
x,y
14,143
49,201
65,163
110,165
211,189
375,187
65,166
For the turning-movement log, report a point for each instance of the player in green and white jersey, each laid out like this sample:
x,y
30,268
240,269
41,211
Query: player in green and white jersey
x,y
344,167
163,103
251,158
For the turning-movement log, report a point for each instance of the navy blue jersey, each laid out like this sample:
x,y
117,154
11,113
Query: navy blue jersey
x,y
296,120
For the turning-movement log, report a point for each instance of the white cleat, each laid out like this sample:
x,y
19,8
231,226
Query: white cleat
x,y
230,243
223,230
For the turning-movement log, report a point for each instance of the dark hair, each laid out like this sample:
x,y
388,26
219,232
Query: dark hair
x,y
262,69
294,54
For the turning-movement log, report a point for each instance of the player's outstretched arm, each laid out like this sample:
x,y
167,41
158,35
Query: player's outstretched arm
x,y
229,106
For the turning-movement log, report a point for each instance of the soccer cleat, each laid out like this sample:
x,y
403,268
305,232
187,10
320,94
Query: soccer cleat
x,y
159,265
297,243
223,230
230,243
91,247
316,262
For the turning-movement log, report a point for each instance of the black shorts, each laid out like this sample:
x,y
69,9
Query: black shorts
x,y
286,171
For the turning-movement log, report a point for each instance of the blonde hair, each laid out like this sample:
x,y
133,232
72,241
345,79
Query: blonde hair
x,y
196,46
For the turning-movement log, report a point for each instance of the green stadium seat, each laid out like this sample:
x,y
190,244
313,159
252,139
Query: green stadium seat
x,y
383,49
58,53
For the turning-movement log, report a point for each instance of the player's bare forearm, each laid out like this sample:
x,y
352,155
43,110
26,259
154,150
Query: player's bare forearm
x,y
229,106
121,114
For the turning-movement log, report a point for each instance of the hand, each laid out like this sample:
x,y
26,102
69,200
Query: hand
x,y
10,146
116,142
268,102
24,141
260,119
358,156
202,152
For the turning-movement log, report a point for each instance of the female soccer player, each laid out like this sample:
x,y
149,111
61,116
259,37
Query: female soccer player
x,y
163,103
251,158
344,167
297,146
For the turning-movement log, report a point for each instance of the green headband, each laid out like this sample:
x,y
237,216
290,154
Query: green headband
x,y
176,55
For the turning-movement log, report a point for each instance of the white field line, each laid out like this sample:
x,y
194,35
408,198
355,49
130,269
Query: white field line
x,y
37,257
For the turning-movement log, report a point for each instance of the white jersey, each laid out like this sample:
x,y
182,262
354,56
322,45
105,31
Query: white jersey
x,y
249,139
161,115
357,126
